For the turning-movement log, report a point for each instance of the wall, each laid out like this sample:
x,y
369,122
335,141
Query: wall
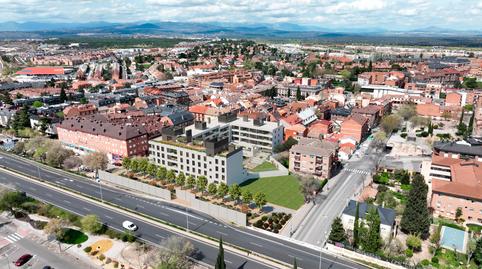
x,y
218,212
360,257
135,185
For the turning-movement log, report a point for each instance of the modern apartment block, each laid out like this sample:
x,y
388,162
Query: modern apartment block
x,y
255,135
215,158
313,157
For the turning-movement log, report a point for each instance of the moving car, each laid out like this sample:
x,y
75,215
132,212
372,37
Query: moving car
x,y
128,225
23,259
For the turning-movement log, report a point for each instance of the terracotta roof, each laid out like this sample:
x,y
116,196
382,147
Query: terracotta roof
x,y
41,71
199,109
466,180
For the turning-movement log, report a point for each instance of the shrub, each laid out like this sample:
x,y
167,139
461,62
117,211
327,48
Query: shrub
x,y
264,218
93,253
265,225
88,249
258,223
425,262
116,264
435,259
108,260
409,252
424,134
403,135
414,243
282,222
101,257
275,231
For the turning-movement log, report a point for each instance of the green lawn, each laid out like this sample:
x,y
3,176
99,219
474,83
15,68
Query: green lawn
x,y
73,237
283,191
266,166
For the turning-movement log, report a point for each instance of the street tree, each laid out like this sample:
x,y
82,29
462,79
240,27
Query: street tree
x,y
56,154
260,200
337,233
95,161
190,182
390,123
72,162
11,200
309,186
407,111
223,189
247,196
161,173
478,252
170,176
56,227
416,217
212,188
126,162
91,224
201,183
220,263
174,253
151,169
372,240
181,179
356,226
235,192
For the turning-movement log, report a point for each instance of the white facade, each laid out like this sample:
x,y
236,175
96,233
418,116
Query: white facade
x,y
253,138
224,167
349,222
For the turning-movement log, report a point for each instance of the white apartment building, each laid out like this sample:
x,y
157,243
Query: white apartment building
x,y
214,160
256,135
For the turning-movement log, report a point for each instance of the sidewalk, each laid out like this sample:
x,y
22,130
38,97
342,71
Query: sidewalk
x,y
296,219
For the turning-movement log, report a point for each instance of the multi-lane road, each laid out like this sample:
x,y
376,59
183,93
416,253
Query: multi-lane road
x,y
272,247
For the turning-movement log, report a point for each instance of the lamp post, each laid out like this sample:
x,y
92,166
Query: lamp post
x,y
100,189
187,220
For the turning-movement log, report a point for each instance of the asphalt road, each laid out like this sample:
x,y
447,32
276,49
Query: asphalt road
x,y
273,247
340,189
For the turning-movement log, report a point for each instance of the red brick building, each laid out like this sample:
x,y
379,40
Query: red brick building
x,y
355,126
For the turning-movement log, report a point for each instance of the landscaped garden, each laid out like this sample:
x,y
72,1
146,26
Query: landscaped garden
x,y
283,190
265,166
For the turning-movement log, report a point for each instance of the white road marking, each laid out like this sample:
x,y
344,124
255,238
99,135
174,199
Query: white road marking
x,y
160,236
164,214
85,208
225,234
258,245
109,217
68,202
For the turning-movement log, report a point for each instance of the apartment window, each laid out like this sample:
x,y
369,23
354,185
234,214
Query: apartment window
x,y
222,162
216,161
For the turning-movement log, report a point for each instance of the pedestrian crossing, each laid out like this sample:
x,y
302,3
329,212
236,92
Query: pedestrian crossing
x,y
358,171
13,237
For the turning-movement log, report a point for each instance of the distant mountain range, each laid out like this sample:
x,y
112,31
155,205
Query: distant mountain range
x,y
280,30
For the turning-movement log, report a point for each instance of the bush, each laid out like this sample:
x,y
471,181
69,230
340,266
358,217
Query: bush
x,y
93,253
414,243
108,260
264,218
275,231
435,260
424,134
425,262
409,252
88,249
101,257
115,264
403,135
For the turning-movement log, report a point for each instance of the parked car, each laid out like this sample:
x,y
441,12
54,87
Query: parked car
x,y
129,225
23,259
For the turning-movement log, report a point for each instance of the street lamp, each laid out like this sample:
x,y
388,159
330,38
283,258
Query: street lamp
x,y
187,220
100,189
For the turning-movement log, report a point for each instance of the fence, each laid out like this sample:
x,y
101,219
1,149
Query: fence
x,y
216,211
135,185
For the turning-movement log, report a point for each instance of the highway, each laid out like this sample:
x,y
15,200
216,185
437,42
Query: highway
x,y
272,247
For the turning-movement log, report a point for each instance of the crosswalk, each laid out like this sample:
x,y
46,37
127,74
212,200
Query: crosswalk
x,y
13,237
358,171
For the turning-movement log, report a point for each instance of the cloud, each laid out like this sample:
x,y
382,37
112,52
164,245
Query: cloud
x,y
408,12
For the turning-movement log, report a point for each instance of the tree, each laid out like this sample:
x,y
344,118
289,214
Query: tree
x,y
11,200
247,196
21,119
151,169
37,104
470,128
295,264
143,165
234,192
337,233
370,66
446,115
91,224
72,162
309,186
191,181
181,179
56,154
95,161
372,240
260,200
416,217
390,123
220,264
407,111
201,183
458,213
126,162
83,101
174,253
223,189
161,173
413,242
212,188
63,95
170,176
289,93
56,227
134,165
298,94
478,252
356,226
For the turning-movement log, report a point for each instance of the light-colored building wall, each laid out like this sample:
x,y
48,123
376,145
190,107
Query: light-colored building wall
x,y
446,206
349,222
253,138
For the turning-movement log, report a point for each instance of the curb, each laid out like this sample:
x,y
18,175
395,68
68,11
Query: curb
x,y
154,221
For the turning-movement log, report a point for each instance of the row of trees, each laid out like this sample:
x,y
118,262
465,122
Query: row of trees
x,y
143,166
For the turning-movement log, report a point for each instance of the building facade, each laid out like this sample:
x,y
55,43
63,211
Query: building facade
x,y
313,157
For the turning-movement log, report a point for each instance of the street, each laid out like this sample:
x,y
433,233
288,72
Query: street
x,y
273,247
339,190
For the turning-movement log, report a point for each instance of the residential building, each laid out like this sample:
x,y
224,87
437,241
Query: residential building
x,y
313,157
79,110
214,159
371,112
6,115
96,133
387,217
355,126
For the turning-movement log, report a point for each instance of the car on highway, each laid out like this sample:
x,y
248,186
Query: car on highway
x,y
129,225
23,259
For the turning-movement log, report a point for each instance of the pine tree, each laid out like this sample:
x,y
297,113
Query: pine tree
x,y
372,240
220,264
416,217
471,124
430,129
63,95
289,92
370,66
337,233
478,252
298,94
356,225
295,264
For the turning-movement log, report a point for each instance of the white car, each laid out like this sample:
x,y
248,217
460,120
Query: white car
x,y
128,225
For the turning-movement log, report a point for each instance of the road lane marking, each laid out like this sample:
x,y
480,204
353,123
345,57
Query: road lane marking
x,y
68,202
160,236
255,244
109,217
140,206
164,214
225,234
88,209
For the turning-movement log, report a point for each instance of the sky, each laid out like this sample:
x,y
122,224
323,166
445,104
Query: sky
x,y
331,14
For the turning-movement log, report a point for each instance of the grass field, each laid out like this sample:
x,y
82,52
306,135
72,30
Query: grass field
x,y
73,237
283,191
265,166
